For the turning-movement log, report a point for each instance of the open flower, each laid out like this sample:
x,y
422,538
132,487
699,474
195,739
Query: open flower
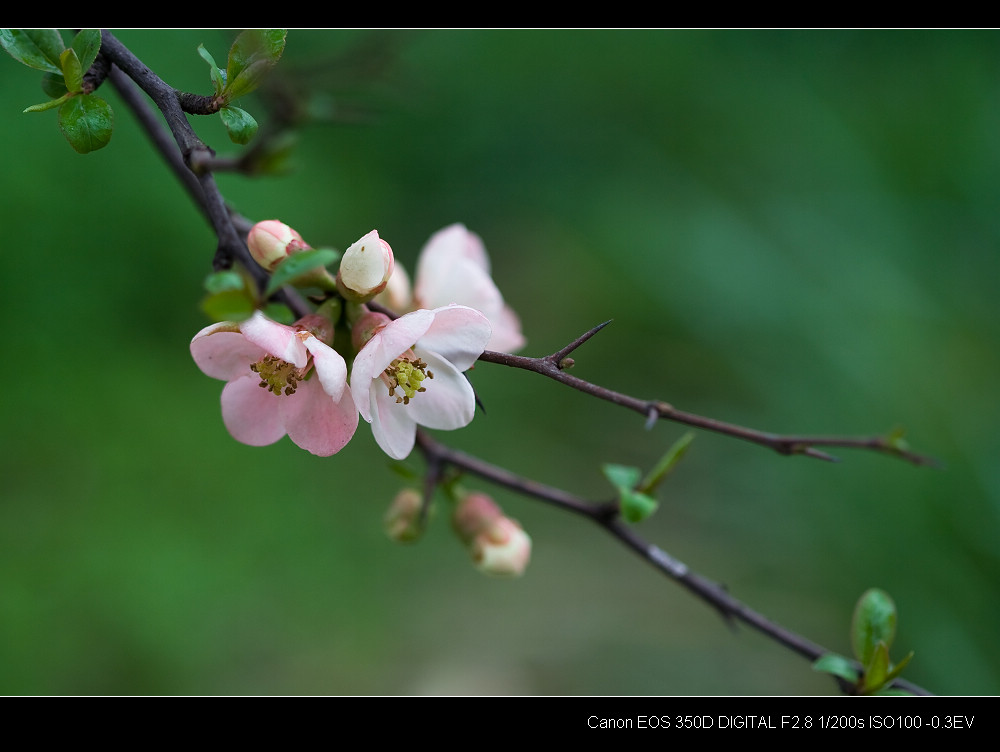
x,y
453,268
409,372
281,380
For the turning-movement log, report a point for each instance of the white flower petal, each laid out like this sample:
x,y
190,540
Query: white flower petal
x,y
449,401
392,424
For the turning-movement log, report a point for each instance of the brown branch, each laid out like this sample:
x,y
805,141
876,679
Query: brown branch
x,y
188,158
605,515
555,366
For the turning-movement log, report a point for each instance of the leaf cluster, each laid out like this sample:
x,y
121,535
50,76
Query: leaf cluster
x,y
252,55
85,119
873,630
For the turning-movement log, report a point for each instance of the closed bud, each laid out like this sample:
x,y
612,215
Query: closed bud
x,y
271,242
503,550
402,521
498,544
365,268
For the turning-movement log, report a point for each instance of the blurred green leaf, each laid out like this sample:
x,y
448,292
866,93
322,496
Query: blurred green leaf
x,y
54,85
621,476
225,280
279,312
240,124
229,305
666,464
874,623
86,122
838,665
218,75
877,670
297,265
635,506
72,70
252,55
36,48
87,44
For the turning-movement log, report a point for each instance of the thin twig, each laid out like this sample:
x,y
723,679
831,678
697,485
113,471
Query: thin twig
x,y
555,366
606,516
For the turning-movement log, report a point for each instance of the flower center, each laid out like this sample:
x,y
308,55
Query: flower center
x,y
406,373
277,375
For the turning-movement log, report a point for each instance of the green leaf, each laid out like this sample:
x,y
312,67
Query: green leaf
x,y
635,506
279,312
874,622
54,85
240,124
297,265
87,44
36,48
898,668
86,122
225,280
50,104
892,692
838,665
72,70
622,476
666,463
252,55
877,671
218,75
229,305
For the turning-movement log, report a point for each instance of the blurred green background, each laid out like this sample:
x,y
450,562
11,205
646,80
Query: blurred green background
x,y
792,230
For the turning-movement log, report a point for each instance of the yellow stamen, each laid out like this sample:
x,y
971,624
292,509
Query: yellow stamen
x,y
277,376
406,373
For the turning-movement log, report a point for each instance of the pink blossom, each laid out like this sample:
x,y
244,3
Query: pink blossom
x,y
410,372
281,379
453,268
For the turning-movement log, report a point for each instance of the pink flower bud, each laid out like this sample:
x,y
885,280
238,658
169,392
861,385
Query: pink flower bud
x,y
498,544
473,515
365,268
503,550
366,327
402,521
271,242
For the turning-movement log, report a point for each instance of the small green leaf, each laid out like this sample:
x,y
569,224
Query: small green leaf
x,y
838,665
898,668
279,312
218,75
87,44
240,124
224,280
228,305
635,506
666,463
877,670
621,476
36,48
874,622
892,692
50,104
72,70
252,55
54,85
86,122
297,265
